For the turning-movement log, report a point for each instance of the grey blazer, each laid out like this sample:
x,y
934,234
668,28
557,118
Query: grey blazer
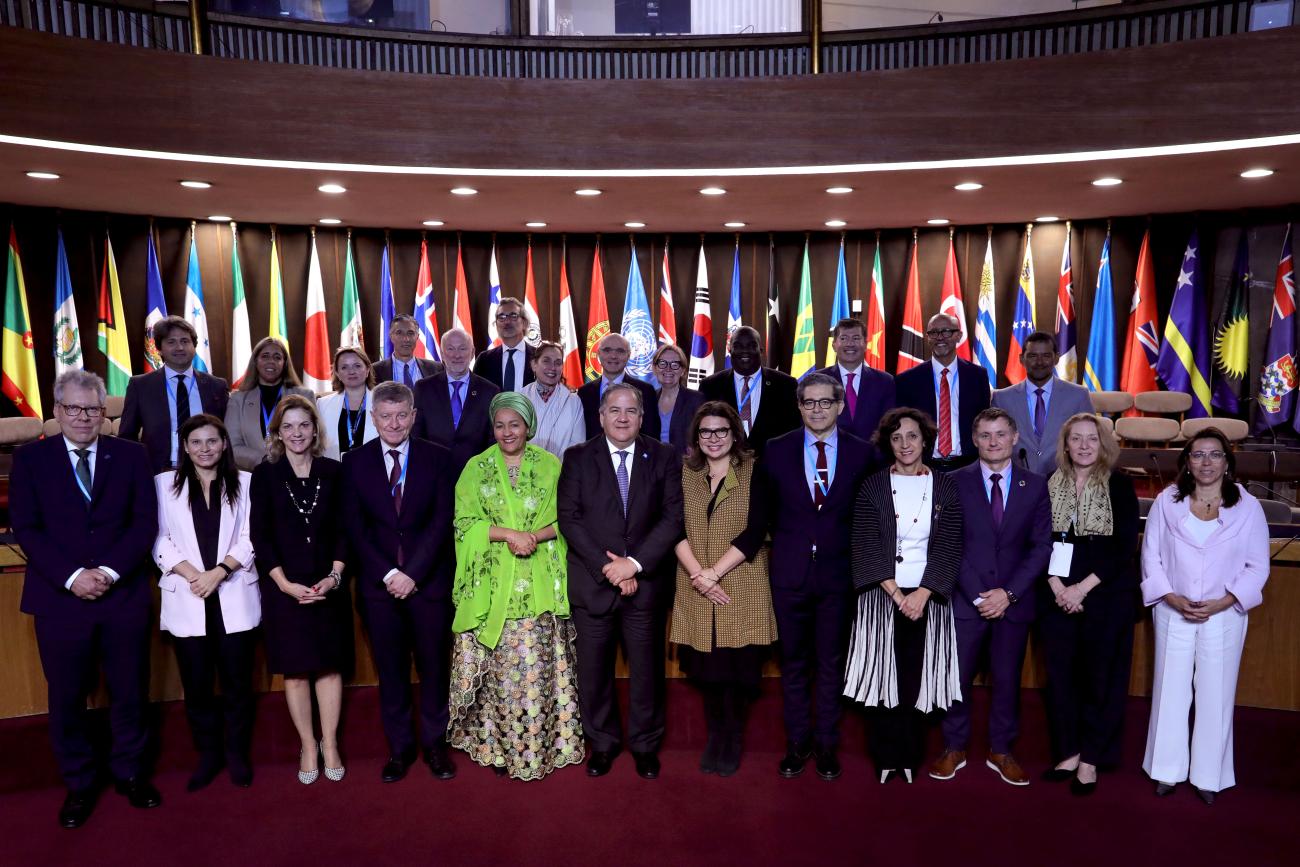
x,y
244,423
1034,454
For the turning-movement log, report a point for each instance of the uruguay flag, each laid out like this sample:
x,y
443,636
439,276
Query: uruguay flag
x,y
194,313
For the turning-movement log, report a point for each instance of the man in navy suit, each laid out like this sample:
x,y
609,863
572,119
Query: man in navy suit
x,y
403,366
508,366
620,509
158,403
765,398
398,513
84,511
614,351
814,474
949,390
1007,525
868,394
452,406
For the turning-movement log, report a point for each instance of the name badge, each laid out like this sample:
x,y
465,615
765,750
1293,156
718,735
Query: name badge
x,y
1062,554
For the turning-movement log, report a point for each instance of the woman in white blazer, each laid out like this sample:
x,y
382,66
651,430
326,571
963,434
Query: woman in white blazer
x,y
210,599
345,414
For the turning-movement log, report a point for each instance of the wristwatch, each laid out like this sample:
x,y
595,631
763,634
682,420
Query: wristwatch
x,y
224,568
1011,597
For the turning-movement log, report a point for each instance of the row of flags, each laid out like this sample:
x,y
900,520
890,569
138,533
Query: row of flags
x,y
1210,364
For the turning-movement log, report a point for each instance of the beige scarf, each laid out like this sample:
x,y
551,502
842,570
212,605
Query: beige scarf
x,y
1090,513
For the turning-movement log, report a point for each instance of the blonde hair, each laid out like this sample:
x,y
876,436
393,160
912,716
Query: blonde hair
x,y
275,445
1108,454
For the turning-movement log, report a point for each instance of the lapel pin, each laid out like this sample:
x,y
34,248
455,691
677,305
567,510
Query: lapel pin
x,y
1022,483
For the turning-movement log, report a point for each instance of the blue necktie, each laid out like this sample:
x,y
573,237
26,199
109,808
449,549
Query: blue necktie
x,y
456,406
623,479
508,383
406,373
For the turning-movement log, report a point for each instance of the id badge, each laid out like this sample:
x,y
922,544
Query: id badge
x,y
1062,554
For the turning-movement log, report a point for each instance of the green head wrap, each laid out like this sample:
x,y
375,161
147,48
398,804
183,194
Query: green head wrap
x,y
520,404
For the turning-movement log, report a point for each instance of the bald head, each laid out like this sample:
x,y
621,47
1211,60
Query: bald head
x,y
614,351
746,351
943,333
457,352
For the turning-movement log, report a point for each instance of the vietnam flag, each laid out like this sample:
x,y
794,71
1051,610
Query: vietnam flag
x,y
316,354
18,377
597,316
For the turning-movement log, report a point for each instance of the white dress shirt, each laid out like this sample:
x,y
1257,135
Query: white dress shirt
x,y
954,404
196,402
755,395
399,370
403,455
91,458
521,361
630,448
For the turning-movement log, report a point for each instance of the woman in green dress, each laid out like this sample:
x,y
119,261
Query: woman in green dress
x,y
514,689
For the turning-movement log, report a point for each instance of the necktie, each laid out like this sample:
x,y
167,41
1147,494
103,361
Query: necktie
x,y
182,406
508,380
745,415
823,475
395,485
406,373
1040,414
996,479
851,394
945,415
83,471
623,478
456,406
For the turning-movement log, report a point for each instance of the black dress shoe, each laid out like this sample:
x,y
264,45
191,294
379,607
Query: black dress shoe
x,y
396,767
709,760
205,773
600,762
1206,795
77,807
1058,775
1080,789
729,758
796,756
1163,789
828,765
439,762
138,793
241,772
647,765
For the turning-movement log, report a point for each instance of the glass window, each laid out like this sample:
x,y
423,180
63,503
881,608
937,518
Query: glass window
x,y
663,17
454,16
869,14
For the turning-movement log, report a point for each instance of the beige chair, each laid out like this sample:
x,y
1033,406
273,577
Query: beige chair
x,y
1110,402
106,427
16,431
1163,402
1234,429
1146,430
51,427
113,407
1107,422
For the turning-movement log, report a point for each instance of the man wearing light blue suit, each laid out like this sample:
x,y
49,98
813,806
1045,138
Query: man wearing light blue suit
x,y
1040,404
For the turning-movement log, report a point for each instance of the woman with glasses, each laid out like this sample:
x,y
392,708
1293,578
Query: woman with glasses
x,y
269,377
722,612
1205,560
559,411
345,415
677,405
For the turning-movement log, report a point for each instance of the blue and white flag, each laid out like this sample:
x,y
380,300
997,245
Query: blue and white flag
x,y
67,336
157,305
733,311
194,313
638,326
387,309
1100,365
494,298
986,319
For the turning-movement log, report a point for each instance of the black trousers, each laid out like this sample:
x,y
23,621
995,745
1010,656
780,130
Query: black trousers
x,y
72,653
640,630
814,630
418,626
1088,659
219,725
897,734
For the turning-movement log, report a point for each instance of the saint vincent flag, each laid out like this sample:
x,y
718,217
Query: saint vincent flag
x,y
18,380
1232,336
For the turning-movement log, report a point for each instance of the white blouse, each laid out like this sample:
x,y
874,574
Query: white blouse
x,y
913,498
1199,530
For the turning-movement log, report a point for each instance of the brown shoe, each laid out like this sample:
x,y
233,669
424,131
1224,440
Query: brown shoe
x,y
1008,769
948,764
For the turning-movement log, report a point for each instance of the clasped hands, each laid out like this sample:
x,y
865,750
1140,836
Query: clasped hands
x,y
621,572
708,584
91,584
204,584
911,605
1199,612
521,544
1068,599
315,593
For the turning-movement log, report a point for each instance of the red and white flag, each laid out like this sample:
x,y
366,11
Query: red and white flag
x,y
667,314
460,314
951,303
1142,343
911,351
316,352
428,343
568,330
533,335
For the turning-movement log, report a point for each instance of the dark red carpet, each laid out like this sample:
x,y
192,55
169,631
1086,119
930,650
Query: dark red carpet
x,y
682,818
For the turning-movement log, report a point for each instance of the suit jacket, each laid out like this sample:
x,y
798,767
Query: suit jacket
x,y
145,411
589,394
330,408
1034,454
240,598
60,532
384,369
490,364
915,388
422,530
433,418
811,547
778,409
1013,556
684,408
875,398
244,423
592,521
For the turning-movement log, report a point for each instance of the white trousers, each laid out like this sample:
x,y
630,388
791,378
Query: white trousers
x,y
1200,660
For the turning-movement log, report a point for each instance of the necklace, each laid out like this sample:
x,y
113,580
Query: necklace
x,y
303,509
1208,505
512,470
901,536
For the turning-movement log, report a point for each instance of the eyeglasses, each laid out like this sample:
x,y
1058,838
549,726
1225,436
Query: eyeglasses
x,y
507,317
75,411
942,332
714,433
1215,456
668,365
818,403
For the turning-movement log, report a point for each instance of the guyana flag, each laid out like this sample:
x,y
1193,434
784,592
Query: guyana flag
x,y
18,376
112,325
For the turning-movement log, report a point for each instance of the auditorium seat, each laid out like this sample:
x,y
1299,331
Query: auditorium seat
x,y
16,431
1144,505
1111,402
1276,511
1234,429
113,406
1163,402
1145,430
1107,422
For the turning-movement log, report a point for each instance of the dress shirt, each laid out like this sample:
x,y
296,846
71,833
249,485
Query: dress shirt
x,y
955,404
810,459
857,378
1004,483
93,448
1031,399
196,401
464,388
606,383
399,370
521,356
630,448
755,394
404,454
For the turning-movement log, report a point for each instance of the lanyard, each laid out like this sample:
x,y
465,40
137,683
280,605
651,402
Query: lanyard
x,y
741,404
85,493
401,480
266,416
347,418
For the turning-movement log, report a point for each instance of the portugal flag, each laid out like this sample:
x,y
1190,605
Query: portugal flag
x,y
18,380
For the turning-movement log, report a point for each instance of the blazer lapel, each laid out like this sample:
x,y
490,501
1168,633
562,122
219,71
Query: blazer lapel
x,y
103,469
641,458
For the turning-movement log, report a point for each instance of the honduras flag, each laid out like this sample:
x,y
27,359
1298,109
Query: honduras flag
x,y
194,312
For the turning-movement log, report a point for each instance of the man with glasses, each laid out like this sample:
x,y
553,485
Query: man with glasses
x,y
452,405
764,397
951,391
814,474
1040,404
614,351
510,365
868,394
403,366
84,511
158,403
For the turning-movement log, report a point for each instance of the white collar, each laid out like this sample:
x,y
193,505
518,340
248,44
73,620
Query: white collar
x,y
951,368
402,449
844,371
92,448
630,448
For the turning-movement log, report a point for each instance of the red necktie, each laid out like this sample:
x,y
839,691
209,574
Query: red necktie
x,y
945,415
823,475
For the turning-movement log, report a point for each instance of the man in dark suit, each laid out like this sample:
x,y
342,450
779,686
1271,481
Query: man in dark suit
x,y
814,474
620,509
398,513
765,398
1040,404
868,394
614,351
84,511
158,403
403,366
1007,524
452,406
951,391
516,370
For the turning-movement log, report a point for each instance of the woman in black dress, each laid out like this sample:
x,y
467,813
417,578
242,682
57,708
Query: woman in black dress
x,y
307,612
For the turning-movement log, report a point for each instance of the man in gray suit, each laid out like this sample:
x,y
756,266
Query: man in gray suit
x,y
1040,404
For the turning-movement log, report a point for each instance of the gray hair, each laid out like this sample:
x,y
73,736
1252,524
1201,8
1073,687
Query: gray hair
x,y
837,388
392,392
80,379
622,386
510,299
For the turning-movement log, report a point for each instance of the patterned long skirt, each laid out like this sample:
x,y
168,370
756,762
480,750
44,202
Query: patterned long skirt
x,y
516,706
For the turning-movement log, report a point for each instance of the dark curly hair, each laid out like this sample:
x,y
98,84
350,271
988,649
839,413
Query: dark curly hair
x,y
893,420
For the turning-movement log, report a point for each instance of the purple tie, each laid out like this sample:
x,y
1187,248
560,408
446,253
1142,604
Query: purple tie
x,y
996,479
457,407
851,394
1040,414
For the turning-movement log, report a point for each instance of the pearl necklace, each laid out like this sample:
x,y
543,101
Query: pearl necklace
x,y
303,510
902,537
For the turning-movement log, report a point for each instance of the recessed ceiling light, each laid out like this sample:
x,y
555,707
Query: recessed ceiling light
x,y
43,176
836,224
330,221
635,225
713,191
464,191
1256,173
937,221
196,185
1107,182
1046,219
332,188
968,186
433,223
219,218
839,191
734,225
587,191
536,224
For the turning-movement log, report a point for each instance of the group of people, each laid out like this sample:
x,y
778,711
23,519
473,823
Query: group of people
x,y
507,535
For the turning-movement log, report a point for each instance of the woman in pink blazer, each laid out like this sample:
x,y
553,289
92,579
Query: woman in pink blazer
x,y
210,599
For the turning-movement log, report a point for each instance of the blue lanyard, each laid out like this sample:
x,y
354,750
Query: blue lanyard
x,y
347,420
401,480
741,404
84,492
266,416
